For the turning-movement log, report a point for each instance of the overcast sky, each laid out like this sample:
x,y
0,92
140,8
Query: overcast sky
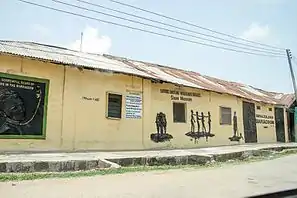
x,y
268,21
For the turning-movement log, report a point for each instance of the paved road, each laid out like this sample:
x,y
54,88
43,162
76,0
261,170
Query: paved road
x,y
228,181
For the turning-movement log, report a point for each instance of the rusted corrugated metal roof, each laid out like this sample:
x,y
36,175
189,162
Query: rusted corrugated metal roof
x,y
196,80
147,70
67,56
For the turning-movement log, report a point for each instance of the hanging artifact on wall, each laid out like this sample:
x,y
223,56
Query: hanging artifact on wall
x,y
201,130
22,106
236,137
161,127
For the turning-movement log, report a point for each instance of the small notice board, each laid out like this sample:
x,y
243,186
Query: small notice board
x,y
133,106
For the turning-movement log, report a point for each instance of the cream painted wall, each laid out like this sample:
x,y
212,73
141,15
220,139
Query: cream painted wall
x,y
208,101
74,123
52,72
226,131
265,132
85,124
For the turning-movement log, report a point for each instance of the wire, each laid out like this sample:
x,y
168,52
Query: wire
x,y
147,31
161,28
294,60
170,25
194,25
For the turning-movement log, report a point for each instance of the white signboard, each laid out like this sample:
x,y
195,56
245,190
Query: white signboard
x,y
134,106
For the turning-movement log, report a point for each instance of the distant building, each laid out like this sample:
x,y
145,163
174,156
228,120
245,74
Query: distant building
x,y
52,98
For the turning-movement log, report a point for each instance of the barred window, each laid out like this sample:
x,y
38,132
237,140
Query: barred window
x,y
114,108
225,116
179,112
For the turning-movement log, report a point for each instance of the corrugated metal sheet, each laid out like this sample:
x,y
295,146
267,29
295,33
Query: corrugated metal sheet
x,y
147,70
66,56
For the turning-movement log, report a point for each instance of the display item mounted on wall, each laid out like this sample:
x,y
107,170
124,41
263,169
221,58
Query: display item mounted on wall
x,y
22,106
236,137
201,131
161,127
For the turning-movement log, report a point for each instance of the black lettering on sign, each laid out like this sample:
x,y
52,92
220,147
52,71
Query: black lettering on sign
x,y
264,116
183,93
174,92
164,91
23,106
174,97
185,99
90,98
196,94
264,119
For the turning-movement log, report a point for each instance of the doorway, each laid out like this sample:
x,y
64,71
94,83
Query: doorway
x,y
249,122
279,124
291,135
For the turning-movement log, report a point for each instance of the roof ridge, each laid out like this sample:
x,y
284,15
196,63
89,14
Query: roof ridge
x,y
150,63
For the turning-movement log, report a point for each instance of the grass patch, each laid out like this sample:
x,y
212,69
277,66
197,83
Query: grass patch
x,y
4,177
33,176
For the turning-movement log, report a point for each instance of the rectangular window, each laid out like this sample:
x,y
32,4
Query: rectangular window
x,y
179,112
258,108
270,109
225,116
114,108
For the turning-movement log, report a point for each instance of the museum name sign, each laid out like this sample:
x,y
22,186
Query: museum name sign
x,y
180,95
264,119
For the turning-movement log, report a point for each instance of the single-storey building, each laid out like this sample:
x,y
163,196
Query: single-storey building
x,y
53,98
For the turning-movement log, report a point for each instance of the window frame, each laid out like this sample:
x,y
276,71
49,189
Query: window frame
x,y
221,115
258,107
185,112
107,104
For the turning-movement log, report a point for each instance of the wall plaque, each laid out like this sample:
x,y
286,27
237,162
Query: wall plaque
x,y
23,106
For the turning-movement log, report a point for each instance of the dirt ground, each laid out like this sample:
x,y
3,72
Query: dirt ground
x,y
228,181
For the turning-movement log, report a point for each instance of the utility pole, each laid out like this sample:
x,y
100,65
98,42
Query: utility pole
x,y
289,56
